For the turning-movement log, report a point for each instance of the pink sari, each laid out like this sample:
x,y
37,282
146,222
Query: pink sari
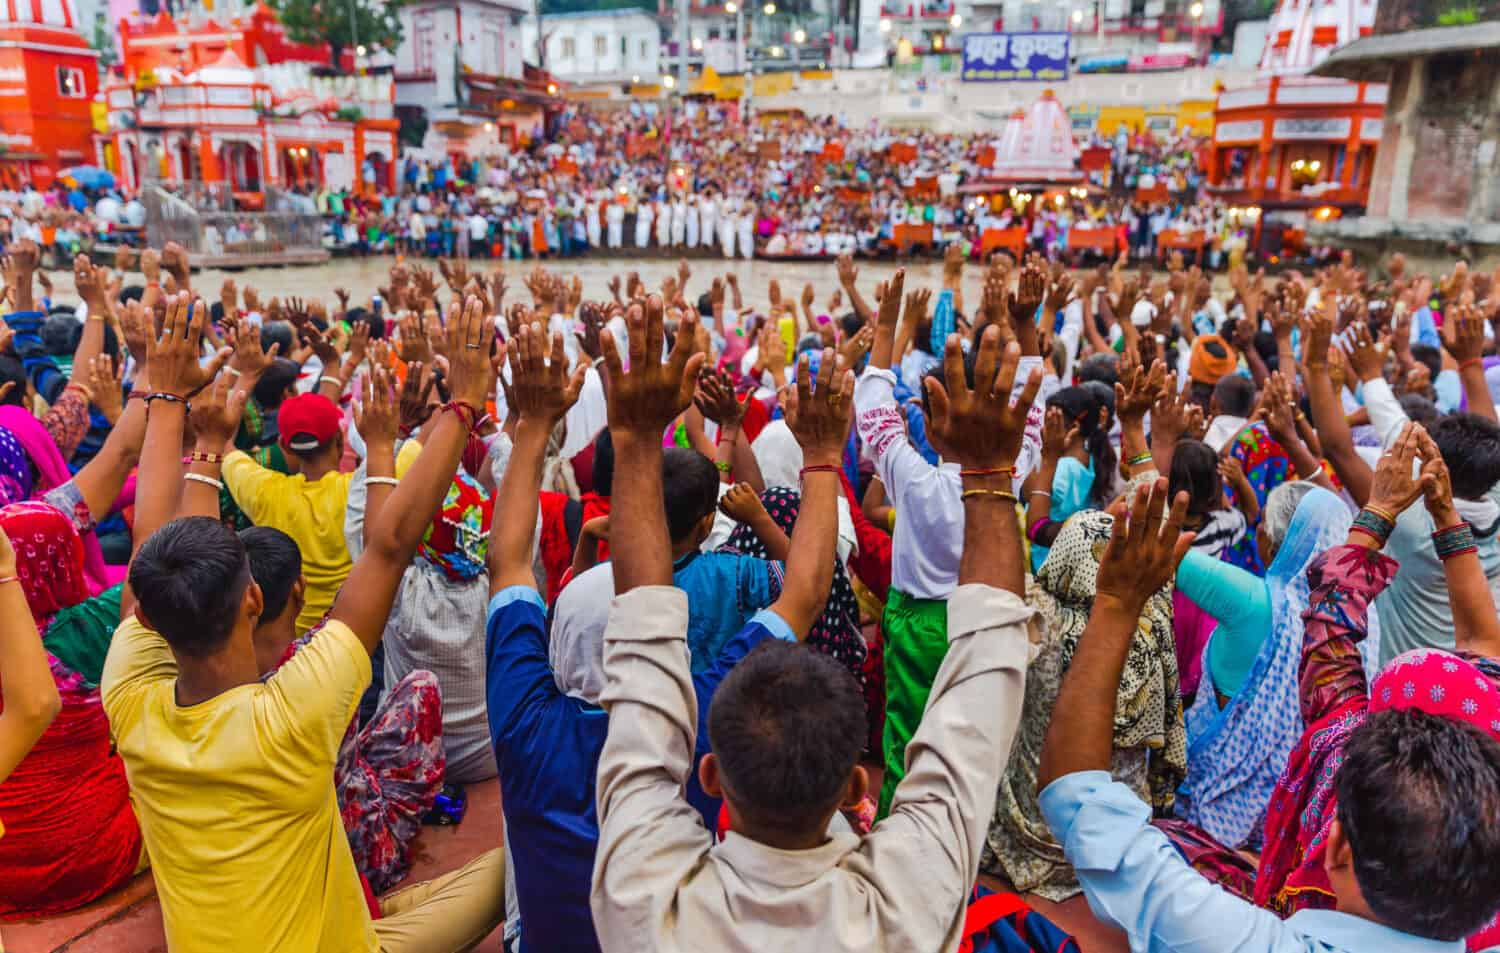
x,y
51,473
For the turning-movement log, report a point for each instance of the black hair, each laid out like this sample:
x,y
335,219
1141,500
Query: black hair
x,y
275,565
604,463
1265,346
278,378
216,312
1420,409
786,726
1235,395
850,324
1419,800
11,369
1104,368
189,578
1195,469
690,487
970,360
132,293
61,333
1470,446
1085,406
1200,392
278,332
1429,355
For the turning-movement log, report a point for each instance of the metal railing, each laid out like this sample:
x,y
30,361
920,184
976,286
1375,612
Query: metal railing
x,y
213,230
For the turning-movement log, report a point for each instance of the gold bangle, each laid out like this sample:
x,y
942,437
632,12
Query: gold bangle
x,y
1001,494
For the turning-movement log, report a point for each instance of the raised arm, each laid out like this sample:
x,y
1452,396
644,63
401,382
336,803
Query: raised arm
x,y
216,418
91,282
639,403
1328,411
849,280
1463,337
541,393
365,600
819,418
942,806
172,365
26,687
882,352
1140,559
1476,627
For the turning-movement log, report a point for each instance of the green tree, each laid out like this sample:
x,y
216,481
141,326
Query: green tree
x,y
341,23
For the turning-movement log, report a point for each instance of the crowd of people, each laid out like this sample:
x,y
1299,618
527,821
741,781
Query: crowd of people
x,y
777,625
702,180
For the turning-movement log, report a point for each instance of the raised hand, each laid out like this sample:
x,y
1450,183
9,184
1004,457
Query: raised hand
x,y
1057,433
1060,293
591,317
467,341
217,412
1437,485
1365,356
250,360
742,504
981,425
857,345
645,399
379,416
1138,389
1144,548
174,258
818,412
1030,291
172,356
716,400
1463,334
540,386
1394,488
848,274
107,386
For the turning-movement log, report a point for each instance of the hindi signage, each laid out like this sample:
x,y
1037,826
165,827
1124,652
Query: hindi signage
x,y
1015,57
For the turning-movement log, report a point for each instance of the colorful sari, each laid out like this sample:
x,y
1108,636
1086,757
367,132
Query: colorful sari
x,y
1236,753
70,833
50,471
1344,583
1266,466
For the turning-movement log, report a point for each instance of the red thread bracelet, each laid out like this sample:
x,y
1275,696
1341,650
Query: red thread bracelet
x,y
818,468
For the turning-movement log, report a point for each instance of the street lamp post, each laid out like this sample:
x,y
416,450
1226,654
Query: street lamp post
x,y
1196,12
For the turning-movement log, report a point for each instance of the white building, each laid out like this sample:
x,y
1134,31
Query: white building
x,y
462,63
607,46
443,39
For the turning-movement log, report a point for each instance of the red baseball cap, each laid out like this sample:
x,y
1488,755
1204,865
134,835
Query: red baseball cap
x,y
307,422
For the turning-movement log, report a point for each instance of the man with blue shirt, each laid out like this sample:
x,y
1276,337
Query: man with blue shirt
x,y
543,691
1413,857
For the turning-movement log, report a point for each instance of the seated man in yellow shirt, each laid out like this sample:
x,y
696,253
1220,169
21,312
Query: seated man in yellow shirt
x,y
308,504
232,776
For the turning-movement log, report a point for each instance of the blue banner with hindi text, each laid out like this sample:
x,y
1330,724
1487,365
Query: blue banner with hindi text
x,y
1015,57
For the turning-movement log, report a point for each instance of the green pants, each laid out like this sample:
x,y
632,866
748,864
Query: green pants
x,y
916,640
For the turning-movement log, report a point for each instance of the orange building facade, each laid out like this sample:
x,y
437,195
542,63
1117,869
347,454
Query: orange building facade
x,y
187,107
1295,141
48,79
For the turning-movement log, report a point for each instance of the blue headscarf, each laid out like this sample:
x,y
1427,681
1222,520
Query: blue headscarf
x,y
1237,753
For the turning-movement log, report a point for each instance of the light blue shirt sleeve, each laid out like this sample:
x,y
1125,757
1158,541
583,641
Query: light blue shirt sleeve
x,y
774,624
1449,388
1134,877
1424,328
511,594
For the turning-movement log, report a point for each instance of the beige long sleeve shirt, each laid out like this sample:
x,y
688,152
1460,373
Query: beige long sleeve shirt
x,y
660,884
